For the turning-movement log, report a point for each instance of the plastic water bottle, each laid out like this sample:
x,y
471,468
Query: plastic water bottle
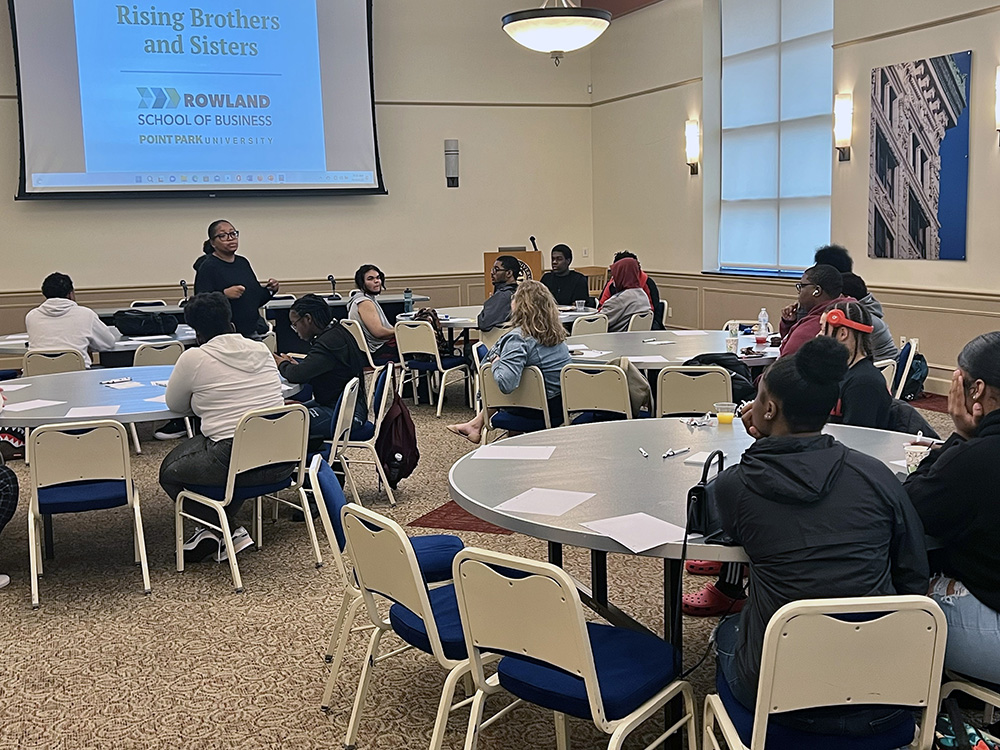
x,y
762,321
407,300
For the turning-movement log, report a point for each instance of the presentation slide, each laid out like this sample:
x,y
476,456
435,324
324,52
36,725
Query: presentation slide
x,y
237,96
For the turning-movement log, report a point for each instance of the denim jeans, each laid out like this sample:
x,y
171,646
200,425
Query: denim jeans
x,y
860,721
973,631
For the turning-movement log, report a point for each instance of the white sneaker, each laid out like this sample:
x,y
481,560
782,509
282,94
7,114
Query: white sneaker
x,y
241,540
202,543
4,580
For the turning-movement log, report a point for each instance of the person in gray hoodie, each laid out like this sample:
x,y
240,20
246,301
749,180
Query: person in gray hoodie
x,y
60,323
220,380
883,345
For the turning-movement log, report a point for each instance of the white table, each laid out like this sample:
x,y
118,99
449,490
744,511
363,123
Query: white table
x,y
684,345
17,343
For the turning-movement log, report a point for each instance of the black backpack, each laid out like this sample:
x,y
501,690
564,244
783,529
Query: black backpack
x,y
743,388
135,322
914,385
396,445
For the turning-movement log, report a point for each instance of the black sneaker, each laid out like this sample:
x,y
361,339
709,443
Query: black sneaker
x,y
202,543
171,430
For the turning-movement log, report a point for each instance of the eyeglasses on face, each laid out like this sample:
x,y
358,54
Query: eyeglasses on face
x,y
800,284
226,235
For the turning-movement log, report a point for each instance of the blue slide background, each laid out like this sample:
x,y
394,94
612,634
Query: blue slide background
x,y
113,65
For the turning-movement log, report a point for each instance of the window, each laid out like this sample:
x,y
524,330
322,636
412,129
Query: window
x,y
885,164
883,237
918,225
777,141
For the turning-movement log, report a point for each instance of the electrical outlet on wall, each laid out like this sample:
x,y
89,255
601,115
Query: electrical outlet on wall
x,y
670,312
586,252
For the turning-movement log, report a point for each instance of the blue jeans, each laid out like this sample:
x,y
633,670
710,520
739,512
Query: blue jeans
x,y
323,420
973,631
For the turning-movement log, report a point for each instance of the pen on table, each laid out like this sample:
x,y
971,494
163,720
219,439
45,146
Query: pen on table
x,y
672,452
115,380
644,454
648,341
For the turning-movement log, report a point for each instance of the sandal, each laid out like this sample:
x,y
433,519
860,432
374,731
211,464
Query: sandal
x,y
474,438
710,602
703,567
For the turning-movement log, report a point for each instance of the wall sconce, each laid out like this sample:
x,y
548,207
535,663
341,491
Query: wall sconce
x,y
692,144
997,102
843,125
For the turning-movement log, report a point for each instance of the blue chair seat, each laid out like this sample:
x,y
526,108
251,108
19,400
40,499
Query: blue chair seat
x,y
75,497
780,737
364,432
504,420
631,668
589,417
446,362
241,493
435,553
8,374
411,628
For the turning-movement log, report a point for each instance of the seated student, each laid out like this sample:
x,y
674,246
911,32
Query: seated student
x,y
566,286
220,380
496,309
8,501
60,323
817,519
333,359
883,346
537,338
364,308
629,297
819,289
865,400
954,491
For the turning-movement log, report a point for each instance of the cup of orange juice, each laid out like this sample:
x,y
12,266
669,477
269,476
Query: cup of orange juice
x,y
725,411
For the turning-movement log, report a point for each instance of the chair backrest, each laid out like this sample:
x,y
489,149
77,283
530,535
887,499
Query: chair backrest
x,y
529,394
50,361
148,303
492,336
597,277
158,354
330,501
79,451
594,388
894,658
270,340
888,369
345,418
381,396
275,435
747,323
355,328
692,388
904,362
641,321
662,311
385,564
416,337
492,604
596,323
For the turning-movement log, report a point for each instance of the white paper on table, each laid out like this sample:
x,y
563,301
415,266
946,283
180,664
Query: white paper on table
x,y
124,384
545,502
157,337
11,387
525,452
93,411
38,403
590,354
459,320
899,463
654,359
578,347
637,531
689,333
162,383
699,459
162,399
16,337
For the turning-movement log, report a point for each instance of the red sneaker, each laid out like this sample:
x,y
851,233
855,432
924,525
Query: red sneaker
x,y
703,567
710,602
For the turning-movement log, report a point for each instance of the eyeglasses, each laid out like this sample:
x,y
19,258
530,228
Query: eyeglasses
x,y
799,285
226,235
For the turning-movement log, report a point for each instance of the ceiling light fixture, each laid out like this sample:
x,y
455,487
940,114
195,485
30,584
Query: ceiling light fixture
x,y
563,27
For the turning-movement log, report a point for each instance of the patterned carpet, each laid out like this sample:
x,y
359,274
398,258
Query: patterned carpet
x,y
195,665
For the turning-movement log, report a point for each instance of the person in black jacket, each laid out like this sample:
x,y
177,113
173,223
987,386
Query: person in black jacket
x,y
955,493
864,400
333,359
817,519
566,285
222,270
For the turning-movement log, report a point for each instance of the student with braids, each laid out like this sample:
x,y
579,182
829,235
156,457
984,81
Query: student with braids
x,y
955,492
864,398
333,359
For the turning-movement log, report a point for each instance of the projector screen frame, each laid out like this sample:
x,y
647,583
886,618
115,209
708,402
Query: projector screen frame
x,y
23,194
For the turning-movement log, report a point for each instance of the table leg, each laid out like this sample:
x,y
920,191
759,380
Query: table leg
x,y
599,576
555,554
48,543
673,631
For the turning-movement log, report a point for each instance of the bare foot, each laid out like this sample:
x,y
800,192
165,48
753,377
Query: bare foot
x,y
462,430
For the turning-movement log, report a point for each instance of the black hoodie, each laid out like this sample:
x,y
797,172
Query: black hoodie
x,y
817,520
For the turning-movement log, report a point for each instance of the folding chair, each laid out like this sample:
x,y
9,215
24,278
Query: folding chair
x,y
529,394
491,337
596,323
641,321
592,393
416,337
531,612
689,388
166,353
888,369
819,652
386,566
76,467
275,435
434,553
51,361
382,393
663,311
904,362
986,692
354,327
341,434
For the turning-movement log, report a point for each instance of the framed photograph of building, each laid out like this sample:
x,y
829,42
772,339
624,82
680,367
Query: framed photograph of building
x,y
919,180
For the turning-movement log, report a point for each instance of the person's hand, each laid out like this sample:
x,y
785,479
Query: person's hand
x,y
272,285
966,422
279,358
789,312
235,291
746,415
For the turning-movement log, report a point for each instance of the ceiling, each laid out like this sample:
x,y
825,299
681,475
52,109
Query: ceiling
x,y
619,7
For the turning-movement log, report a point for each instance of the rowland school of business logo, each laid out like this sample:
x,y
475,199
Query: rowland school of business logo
x,y
157,98
167,98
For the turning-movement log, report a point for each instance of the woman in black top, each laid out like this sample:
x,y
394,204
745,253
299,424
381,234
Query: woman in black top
x,y
222,270
333,359
864,396
955,493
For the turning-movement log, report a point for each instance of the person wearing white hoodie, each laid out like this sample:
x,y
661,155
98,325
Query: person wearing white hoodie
x,y
220,380
60,323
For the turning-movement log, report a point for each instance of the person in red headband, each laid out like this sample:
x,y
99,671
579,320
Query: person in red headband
x,y
865,400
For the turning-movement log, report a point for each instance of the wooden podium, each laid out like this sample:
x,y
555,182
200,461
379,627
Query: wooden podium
x,y
532,266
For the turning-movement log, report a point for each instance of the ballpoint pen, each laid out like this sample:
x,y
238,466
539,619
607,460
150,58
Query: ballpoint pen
x,y
644,454
673,452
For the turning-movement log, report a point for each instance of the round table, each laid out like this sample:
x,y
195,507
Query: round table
x,y
17,343
639,344
465,316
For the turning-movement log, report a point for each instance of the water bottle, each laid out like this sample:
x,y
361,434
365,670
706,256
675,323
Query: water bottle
x,y
407,300
394,469
762,321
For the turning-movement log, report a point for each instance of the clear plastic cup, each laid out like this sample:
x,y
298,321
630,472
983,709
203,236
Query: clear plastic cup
x,y
725,411
579,304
